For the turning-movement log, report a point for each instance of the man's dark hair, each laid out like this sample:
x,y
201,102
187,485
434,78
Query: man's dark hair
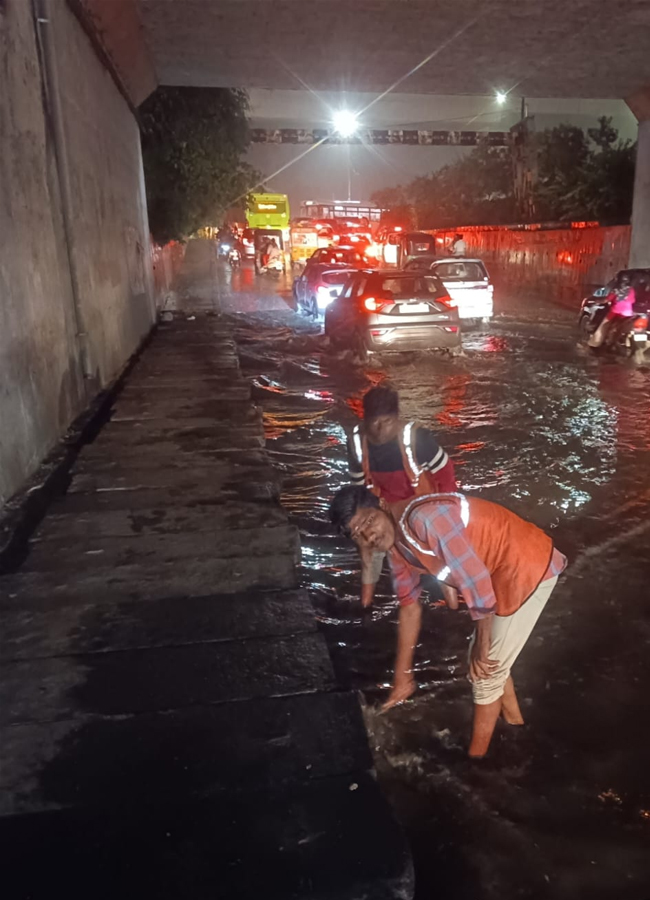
x,y
346,502
380,401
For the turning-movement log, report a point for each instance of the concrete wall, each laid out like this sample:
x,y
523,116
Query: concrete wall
x,y
73,301
166,264
564,261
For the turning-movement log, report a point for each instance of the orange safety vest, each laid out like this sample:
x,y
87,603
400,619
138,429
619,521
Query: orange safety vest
x,y
422,482
516,553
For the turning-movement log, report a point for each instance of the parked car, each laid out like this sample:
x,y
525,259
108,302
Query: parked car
x,y
468,284
326,260
392,311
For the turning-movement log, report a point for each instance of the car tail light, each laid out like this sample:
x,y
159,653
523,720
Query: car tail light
x,y
371,304
452,328
447,301
247,242
641,323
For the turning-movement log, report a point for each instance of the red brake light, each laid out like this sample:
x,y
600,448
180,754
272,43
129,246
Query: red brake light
x,y
371,304
446,301
641,323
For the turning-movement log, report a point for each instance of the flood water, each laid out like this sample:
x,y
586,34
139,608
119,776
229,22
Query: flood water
x,y
561,808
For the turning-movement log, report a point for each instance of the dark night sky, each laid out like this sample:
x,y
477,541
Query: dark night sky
x,y
322,174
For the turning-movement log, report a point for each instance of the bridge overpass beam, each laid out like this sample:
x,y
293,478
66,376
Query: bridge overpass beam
x,y
640,240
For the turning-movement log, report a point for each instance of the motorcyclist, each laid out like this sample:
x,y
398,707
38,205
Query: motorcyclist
x,y
621,299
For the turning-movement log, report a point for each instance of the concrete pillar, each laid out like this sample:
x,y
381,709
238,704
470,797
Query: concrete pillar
x,y
640,239
639,103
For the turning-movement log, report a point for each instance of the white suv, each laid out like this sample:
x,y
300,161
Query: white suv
x,y
468,284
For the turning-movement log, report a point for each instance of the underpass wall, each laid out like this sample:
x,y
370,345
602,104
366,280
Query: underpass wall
x,y
109,238
166,265
75,291
563,262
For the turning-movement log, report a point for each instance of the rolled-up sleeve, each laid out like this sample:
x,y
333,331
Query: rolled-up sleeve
x,y
441,530
406,579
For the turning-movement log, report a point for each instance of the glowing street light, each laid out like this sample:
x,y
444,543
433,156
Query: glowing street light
x,y
501,97
345,123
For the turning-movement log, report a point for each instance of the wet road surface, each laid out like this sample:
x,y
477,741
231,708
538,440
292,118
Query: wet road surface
x,y
561,809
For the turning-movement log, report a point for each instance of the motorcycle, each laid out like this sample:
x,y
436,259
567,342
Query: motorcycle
x,y
225,242
234,257
632,336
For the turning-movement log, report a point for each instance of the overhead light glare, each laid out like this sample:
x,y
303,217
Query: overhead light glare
x,y
345,123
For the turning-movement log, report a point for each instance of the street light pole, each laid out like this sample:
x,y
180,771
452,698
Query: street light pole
x,y
349,175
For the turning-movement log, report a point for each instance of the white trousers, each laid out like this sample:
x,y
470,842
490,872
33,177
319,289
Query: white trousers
x,y
509,634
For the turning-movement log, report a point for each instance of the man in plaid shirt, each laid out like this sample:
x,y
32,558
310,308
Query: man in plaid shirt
x,y
505,575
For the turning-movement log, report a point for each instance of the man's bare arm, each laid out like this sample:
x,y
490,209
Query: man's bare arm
x,y
410,617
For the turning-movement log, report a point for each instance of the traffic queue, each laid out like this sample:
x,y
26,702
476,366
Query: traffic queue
x,y
379,287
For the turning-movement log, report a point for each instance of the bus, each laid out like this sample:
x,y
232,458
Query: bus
x,y
268,211
340,209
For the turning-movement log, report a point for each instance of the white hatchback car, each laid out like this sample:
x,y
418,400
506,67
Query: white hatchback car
x,y
468,283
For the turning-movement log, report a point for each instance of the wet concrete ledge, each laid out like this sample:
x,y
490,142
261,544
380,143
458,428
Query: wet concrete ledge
x,y
171,726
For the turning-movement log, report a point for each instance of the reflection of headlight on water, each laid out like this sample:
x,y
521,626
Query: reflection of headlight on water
x,y
574,501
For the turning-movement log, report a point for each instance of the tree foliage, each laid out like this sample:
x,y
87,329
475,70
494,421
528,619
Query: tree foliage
x,y
193,140
584,176
397,205
475,190
579,176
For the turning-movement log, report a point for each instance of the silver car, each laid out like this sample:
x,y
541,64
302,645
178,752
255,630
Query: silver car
x,y
393,311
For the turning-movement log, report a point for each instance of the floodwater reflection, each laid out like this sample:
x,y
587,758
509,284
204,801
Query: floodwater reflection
x,y
561,811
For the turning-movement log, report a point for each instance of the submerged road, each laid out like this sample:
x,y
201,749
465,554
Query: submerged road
x,y
562,807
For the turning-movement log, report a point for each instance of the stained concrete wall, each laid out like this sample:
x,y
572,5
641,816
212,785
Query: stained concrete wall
x,y
72,301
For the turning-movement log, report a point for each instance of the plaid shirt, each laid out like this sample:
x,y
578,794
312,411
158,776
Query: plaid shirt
x,y
439,528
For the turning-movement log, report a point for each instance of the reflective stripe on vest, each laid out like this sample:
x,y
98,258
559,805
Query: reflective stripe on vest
x,y
356,442
406,440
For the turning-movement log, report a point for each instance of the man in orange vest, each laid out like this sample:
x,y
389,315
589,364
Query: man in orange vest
x,y
398,461
503,567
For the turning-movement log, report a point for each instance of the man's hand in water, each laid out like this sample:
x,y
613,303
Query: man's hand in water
x,y
403,688
367,595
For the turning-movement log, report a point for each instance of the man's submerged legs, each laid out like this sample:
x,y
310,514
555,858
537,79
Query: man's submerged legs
x,y
486,715
496,694
510,705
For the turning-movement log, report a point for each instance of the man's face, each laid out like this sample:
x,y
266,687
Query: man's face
x,y
373,526
381,429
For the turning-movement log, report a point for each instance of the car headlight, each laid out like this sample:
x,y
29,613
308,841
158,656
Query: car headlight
x,y
323,296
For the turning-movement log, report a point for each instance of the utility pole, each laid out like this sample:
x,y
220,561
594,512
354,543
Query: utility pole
x,y
349,174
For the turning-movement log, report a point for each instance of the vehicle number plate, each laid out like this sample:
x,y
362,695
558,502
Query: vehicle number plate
x,y
414,308
641,336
